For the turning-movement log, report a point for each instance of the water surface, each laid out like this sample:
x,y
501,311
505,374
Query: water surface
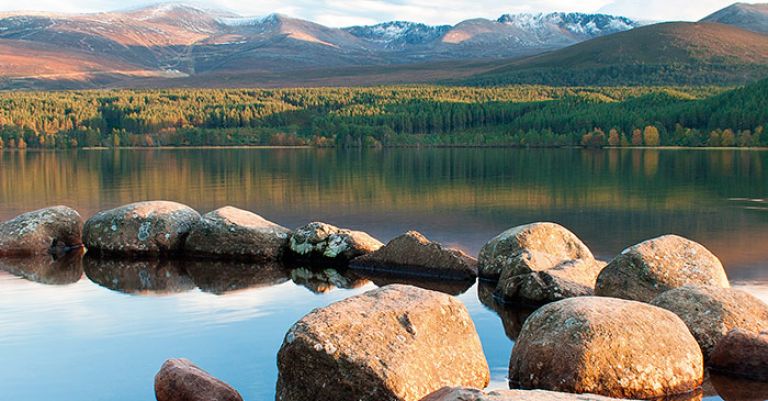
x,y
80,329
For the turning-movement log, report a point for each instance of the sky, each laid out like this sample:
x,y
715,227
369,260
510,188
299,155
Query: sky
x,y
362,12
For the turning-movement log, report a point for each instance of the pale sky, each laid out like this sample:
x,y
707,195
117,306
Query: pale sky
x,y
359,12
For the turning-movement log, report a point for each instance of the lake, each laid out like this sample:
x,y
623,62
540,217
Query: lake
x,y
80,329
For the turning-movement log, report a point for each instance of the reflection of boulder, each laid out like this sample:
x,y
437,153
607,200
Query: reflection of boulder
x,y
66,269
512,316
323,281
450,287
219,276
736,389
138,276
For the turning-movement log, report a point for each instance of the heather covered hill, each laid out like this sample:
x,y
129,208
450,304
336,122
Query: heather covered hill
x,y
752,17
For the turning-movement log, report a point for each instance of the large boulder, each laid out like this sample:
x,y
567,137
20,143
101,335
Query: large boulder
x,y
238,234
49,230
530,248
413,254
181,380
393,343
472,394
324,241
653,267
711,312
144,228
742,353
574,278
606,346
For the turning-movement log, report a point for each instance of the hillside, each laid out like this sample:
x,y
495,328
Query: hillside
x,y
752,17
667,53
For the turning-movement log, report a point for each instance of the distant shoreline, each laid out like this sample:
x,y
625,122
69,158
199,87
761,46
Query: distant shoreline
x,y
266,147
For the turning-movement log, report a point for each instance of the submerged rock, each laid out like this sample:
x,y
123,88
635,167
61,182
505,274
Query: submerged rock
x,y
711,312
50,230
181,380
653,267
570,279
606,346
222,276
320,240
530,248
234,233
413,254
144,228
393,343
138,276
47,269
472,394
742,353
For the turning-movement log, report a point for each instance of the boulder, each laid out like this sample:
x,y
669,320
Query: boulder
x,y
653,267
324,241
393,343
530,248
237,234
151,276
144,228
711,312
51,230
413,254
222,276
472,394
575,278
742,353
606,346
46,269
181,380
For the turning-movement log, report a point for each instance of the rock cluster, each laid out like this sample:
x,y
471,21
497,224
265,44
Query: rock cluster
x,y
394,343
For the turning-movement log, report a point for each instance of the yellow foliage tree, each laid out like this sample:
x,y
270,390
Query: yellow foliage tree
x,y
651,136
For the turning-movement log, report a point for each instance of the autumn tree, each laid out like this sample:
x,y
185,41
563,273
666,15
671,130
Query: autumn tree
x,y
651,136
637,137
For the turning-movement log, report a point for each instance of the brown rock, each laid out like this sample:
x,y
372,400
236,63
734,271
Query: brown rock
x,y
471,394
653,267
393,343
413,254
138,276
238,234
530,248
606,346
574,278
144,228
181,380
742,353
320,240
711,312
738,389
49,230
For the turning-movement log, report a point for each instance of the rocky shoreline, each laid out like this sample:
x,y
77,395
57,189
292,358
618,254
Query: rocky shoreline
x,y
648,324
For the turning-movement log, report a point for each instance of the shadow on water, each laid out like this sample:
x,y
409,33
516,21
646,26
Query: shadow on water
x,y
47,269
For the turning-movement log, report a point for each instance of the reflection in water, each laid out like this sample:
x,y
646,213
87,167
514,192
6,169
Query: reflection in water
x,y
735,389
321,281
219,276
47,269
450,287
512,316
138,276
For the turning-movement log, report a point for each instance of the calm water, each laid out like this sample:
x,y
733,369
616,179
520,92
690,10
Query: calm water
x,y
78,329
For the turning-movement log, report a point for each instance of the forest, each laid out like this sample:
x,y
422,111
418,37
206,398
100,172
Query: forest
x,y
520,115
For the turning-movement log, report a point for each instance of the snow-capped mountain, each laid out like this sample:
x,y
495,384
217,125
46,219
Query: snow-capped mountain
x,y
576,24
398,34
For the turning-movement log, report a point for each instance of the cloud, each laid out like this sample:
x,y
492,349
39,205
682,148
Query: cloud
x,y
355,12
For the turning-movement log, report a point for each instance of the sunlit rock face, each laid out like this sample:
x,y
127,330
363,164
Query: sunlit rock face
x,y
414,254
394,343
144,228
237,234
181,380
54,229
742,353
47,269
711,312
574,278
324,241
606,346
653,267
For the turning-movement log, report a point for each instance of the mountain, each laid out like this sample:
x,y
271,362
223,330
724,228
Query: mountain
x,y
667,53
752,17
177,40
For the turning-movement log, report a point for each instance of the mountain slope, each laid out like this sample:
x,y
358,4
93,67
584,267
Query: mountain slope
x,y
752,17
668,53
